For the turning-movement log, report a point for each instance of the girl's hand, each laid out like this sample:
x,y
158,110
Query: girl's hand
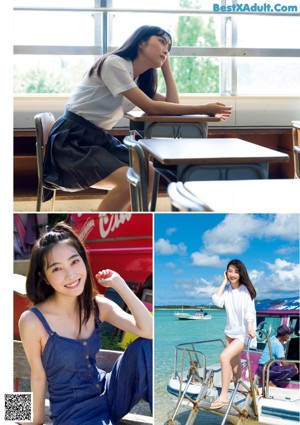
x,y
218,110
225,278
108,278
166,64
251,333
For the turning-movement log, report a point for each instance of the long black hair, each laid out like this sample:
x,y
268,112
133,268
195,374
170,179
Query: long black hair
x,y
147,81
37,287
244,277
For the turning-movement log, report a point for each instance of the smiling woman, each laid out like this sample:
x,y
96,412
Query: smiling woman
x,y
61,336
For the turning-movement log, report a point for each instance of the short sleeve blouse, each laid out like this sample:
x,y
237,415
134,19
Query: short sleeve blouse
x,y
100,100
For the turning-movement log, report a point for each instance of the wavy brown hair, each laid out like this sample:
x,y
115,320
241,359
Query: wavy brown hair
x,y
36,285
244,277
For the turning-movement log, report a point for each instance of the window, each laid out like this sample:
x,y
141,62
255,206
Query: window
x,y
212,52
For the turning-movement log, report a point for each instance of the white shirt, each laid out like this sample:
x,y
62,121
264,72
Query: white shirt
x,y
99,100
239,309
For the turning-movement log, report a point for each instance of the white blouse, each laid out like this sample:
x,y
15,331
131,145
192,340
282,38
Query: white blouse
x,y
239,309
99,100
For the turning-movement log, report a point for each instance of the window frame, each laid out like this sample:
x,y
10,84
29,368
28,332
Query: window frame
x,y
228,53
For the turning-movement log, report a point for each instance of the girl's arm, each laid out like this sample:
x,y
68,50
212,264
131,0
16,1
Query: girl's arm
x,y
250,316
217,297
139,323
157,107
171,89
29,327
220,290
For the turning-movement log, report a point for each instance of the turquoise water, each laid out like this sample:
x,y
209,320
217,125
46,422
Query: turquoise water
x,y
169,331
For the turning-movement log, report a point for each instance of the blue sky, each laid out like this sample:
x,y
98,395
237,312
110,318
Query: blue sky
x,y
192,251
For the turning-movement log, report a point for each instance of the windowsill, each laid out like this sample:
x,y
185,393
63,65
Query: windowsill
x,y
248,111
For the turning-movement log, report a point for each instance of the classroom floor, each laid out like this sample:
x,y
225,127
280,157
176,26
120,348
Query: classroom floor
x,y
28,204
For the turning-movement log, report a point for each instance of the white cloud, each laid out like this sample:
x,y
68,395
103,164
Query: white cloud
x,y
231,236
284,226
283,280
164,247
285,250
171,230
203,259
171,265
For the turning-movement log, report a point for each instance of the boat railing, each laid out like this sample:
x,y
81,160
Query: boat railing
x,y
266,375
192,350
245,411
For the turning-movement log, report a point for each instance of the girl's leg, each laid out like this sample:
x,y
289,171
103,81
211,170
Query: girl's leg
x,y
233,349
236,366
131,379
118,197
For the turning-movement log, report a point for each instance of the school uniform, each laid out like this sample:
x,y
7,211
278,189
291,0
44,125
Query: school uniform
x,y
80,152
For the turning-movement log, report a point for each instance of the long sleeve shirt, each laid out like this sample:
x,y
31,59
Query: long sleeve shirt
x,y
239,309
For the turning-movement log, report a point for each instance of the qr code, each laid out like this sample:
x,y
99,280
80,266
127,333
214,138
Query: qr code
x,y
18,407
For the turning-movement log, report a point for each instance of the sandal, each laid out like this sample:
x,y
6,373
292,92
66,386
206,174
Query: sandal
x,y
217,404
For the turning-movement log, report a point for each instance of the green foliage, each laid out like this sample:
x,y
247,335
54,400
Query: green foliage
x,y
41,80
109,342
194,74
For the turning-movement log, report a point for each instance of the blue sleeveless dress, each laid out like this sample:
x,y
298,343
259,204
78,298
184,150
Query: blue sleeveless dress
x,y
81,394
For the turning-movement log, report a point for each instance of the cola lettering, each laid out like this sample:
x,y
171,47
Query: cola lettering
x,y
108,223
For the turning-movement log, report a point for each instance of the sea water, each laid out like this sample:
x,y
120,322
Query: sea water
x,y
169,331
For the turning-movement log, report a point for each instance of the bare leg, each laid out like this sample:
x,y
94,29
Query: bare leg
x,y
118,197
236,367
232,351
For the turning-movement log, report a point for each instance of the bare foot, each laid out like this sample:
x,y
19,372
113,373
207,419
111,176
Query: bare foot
x,y
217,404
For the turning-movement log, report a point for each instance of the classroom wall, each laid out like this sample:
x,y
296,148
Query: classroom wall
x,y
248,111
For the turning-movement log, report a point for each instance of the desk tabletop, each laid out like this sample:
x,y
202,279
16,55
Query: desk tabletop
x,y
140,116
209,151
252,196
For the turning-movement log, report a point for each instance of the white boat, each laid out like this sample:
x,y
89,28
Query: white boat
x,y
198,315
196,384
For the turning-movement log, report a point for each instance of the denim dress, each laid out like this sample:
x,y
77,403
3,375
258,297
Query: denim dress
x,y
81,394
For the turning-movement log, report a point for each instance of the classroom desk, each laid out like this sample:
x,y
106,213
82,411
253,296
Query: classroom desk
x,y
194,153
169,125
237,196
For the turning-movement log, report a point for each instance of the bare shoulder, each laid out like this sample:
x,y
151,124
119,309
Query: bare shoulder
x,y
104,305
28,321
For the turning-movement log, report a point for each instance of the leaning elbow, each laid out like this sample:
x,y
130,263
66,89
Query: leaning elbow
x,y
150,110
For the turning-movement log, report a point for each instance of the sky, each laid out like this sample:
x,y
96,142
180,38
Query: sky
x,y
193,250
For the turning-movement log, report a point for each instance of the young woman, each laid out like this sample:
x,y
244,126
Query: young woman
x,y
60,335
80,152
237,294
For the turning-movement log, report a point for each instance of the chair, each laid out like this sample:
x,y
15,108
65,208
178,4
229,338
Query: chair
x,y
183,200
138,177
297,161
43,124
296,147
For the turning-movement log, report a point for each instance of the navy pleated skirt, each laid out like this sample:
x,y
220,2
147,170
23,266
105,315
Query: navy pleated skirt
x,y
80,154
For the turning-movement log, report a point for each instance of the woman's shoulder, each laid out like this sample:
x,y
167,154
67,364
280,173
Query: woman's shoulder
x,y
115,60
104,306
28,320
244,290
